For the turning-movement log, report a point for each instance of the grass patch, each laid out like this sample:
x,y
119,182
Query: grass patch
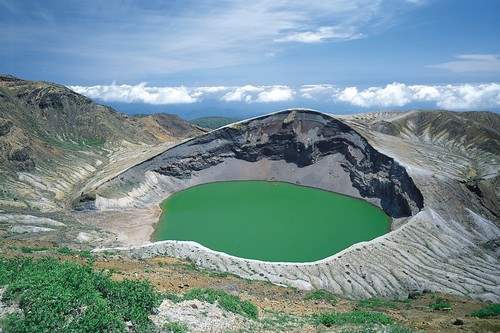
x,y
175,327
278,321
440,304
226,301
62,296
27,249
321,295
176,298
354,317
64,250
491,310
374,329
376,303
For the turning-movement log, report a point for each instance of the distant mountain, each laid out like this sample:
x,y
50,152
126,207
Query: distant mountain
x,y
169,125
213,122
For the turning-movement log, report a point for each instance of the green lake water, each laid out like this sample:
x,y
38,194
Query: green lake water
x,y
271,221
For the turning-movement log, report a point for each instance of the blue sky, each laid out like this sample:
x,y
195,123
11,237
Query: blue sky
x,y
246,57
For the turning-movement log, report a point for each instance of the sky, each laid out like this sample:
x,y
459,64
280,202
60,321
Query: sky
x,y
242,58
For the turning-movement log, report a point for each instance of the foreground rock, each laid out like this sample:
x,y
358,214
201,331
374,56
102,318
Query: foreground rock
x,y
199,317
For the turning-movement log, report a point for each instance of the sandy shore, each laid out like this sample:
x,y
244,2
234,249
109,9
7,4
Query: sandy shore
x,y
130,227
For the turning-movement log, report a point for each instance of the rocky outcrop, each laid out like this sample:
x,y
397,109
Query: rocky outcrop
x,y
301,138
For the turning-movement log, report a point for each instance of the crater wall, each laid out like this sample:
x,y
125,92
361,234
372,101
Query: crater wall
x,y
299,146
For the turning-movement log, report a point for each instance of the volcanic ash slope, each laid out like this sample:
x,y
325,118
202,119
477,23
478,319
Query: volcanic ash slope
x,y
446,222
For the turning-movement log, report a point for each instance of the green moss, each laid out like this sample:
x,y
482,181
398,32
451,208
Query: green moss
x,y
487,311
321,295
354,317
59,296
226,301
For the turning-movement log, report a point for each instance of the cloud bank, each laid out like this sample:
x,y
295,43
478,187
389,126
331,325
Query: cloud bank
x,y
454,97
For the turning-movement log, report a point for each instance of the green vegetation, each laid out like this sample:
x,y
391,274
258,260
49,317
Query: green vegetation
x,y
376,303
27,249
62,296
213,122
440,304
59,250
176,298
278,321
354,318
321,295
284,219
175,327
487,311
374,329
64,251
224,300
76,143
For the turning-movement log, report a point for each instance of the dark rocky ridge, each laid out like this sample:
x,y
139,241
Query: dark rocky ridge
x,y
301,137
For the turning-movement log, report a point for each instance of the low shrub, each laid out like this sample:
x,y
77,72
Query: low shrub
x,y
64,250
354,317
226,301
62,296
376,303
175,327
487,311
440,304
321,295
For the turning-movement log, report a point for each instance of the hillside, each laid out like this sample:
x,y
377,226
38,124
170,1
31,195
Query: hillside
x,y
167,126
48,132
434,173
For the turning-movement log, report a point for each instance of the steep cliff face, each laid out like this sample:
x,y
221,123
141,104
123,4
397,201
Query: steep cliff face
x,y
459,147
299,137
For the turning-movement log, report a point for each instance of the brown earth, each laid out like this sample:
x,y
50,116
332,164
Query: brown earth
x,y
178,276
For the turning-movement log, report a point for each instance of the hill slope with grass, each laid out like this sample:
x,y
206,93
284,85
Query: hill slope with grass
x,y
52,140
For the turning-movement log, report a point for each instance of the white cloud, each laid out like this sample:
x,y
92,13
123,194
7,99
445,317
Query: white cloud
x,y
141,93
241,94
318,91
469,96
321,34
394,94
471,63
276,94
137,94
259,94
454,97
